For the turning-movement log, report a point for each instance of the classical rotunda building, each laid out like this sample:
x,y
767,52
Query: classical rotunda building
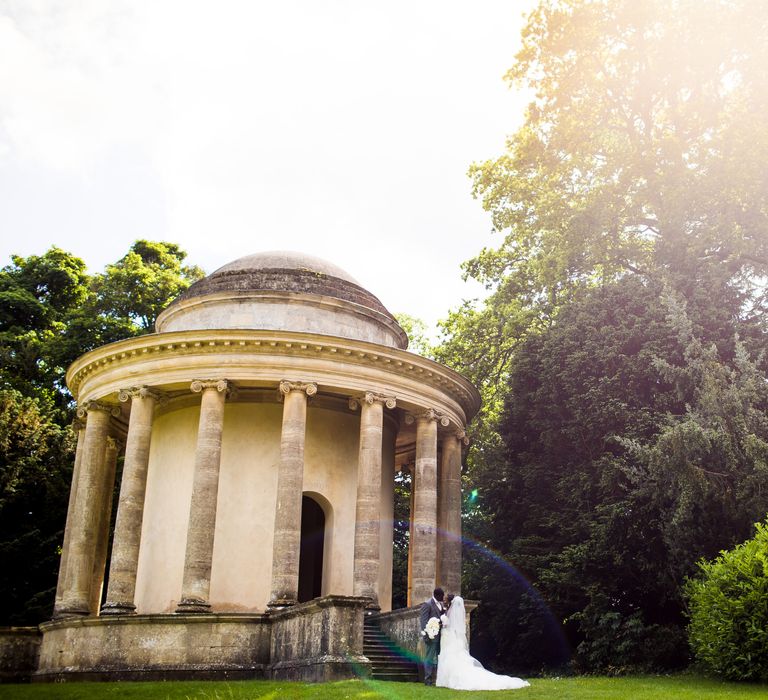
x,y
262,426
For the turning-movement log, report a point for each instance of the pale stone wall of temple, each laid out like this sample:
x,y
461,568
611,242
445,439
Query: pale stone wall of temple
x,y
330,469
242,550
166,510
246,502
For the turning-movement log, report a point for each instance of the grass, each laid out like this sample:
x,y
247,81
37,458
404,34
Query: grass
x,y
685,687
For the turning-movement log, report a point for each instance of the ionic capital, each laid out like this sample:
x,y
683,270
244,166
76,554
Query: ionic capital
x,y
370,398
114,444
461,436
142,392
84,409
221,385
429,415
286,387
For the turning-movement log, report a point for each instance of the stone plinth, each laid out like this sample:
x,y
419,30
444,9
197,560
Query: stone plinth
x,y
138,647
19,651
321,640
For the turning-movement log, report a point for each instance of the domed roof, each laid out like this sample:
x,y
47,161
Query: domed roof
x,y
285,260
275,281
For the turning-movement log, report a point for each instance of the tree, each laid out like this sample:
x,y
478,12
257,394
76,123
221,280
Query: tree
x,y
416,330
642,153
641,161
400,539
36,456
632,446
141,284
37,296
51,312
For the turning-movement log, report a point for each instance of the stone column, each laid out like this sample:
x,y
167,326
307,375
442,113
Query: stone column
x,y
366,554
105,515
424,515
205,489
130,507
290,480
449,513
78,577
79,427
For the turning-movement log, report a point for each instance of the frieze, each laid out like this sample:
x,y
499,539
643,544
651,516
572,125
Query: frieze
x,y
388,360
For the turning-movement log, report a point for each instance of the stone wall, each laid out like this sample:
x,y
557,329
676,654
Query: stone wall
x,y
321,640
155,647
402,627
19,651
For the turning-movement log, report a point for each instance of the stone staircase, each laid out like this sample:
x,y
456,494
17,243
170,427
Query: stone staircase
x,y
388,661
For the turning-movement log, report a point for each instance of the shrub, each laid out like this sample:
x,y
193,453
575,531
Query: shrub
x,y
615,643
728,609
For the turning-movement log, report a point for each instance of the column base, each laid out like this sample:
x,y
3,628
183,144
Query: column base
x,y
118,609
279,603
193,605
63,613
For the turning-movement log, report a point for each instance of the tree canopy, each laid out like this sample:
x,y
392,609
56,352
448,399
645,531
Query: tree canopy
x,y
643,152
623,430
52,311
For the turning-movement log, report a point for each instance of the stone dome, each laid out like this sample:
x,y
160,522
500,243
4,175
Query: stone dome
x,y
287,291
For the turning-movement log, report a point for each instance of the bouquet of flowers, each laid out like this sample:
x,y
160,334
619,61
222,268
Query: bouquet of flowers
x,y
433,627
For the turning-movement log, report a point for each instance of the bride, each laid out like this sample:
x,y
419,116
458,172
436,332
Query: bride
x,y
455,667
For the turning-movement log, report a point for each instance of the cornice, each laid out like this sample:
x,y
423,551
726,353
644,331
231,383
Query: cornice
x,y
196,343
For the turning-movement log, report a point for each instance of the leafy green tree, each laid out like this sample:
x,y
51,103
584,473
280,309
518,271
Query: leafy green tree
x,y
640,162
553,493
711,460
400,539
642,145
416,330
633,444
140,285
51,312
37,295
36,457
642,153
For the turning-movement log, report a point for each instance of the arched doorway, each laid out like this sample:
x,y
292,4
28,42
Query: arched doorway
x,y
312,549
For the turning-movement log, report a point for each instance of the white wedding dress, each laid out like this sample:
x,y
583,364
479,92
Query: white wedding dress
x,y
456,668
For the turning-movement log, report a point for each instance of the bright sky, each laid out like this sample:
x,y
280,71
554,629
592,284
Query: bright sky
x,y
339,129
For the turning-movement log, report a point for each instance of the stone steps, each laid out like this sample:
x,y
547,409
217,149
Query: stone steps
x,y
388,661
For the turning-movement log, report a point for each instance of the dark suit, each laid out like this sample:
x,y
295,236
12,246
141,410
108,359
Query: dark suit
x,y
429,609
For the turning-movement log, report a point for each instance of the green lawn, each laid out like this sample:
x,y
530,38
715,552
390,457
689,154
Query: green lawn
x,y
687,687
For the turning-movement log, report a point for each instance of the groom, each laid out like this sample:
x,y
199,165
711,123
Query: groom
x,y
429,609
